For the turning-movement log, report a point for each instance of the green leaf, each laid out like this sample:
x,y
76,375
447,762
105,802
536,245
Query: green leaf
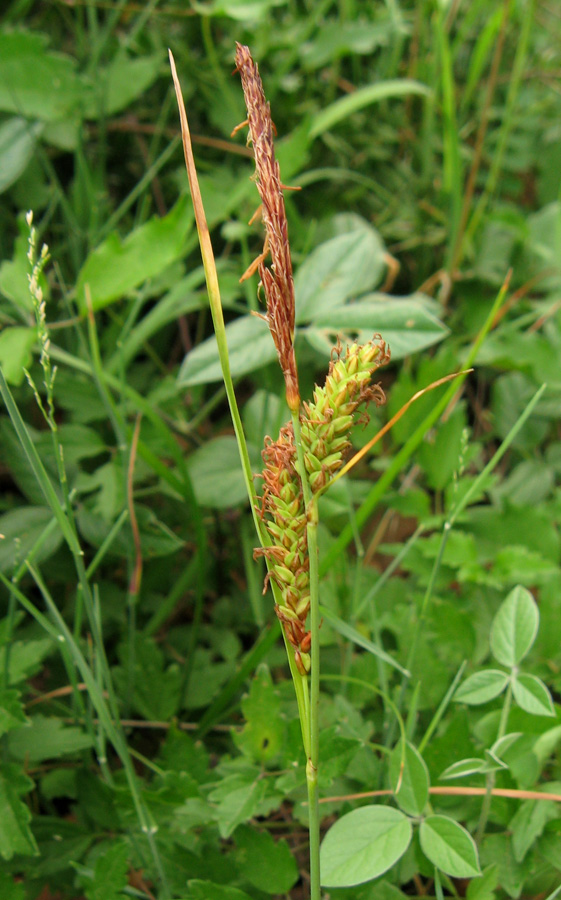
x,y
250,347
16,345
267,864
373,93
262,736
449,847
497,849
532,695
338,38
336,753
483,888
407,324
409,778
17,145
514,627
156,537
110,874
34,82
216,473
151,669
10,889
463,767
117,267
121,82
15,834
11,710
343,267
363,844
47,738
504,743
481,687
206,890
26,657
347,631
242,10
528,823
239,798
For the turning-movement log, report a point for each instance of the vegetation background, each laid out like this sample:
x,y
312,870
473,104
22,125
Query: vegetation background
x,y
150,743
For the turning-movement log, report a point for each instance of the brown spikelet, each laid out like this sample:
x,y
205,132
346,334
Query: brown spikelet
x,y
277,279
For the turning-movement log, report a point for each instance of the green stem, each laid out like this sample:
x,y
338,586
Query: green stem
x,y
490,780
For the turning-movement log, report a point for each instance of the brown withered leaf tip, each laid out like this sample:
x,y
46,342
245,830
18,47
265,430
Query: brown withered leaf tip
x,y
277,279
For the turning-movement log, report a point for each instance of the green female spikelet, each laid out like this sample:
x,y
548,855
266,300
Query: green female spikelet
x,y
325,426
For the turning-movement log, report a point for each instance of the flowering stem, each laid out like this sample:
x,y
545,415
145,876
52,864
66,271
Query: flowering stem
x,y
310,503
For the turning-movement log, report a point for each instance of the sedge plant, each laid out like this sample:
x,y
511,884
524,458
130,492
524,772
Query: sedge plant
x,y
301,462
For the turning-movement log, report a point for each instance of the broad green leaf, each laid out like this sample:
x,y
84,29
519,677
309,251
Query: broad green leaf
x,y
345,266
156,537
79,442
336,112
463,767
407,324
180,753
449,847
17,145
261,738
532,695
250,347
517,563
216,473
409,778
16,345
336,752
546,744
239,798
497,849
505,742
110,873
528,823
531,481
363,844
121,82
47,738
514,627
483,888
267,864
12,714
26,657
481,687
492,762
510,394
34,82
242,10
117,267
206,890
338,38
15,833
151,668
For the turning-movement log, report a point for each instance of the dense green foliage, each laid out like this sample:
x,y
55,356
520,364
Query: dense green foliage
x,y
150,742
